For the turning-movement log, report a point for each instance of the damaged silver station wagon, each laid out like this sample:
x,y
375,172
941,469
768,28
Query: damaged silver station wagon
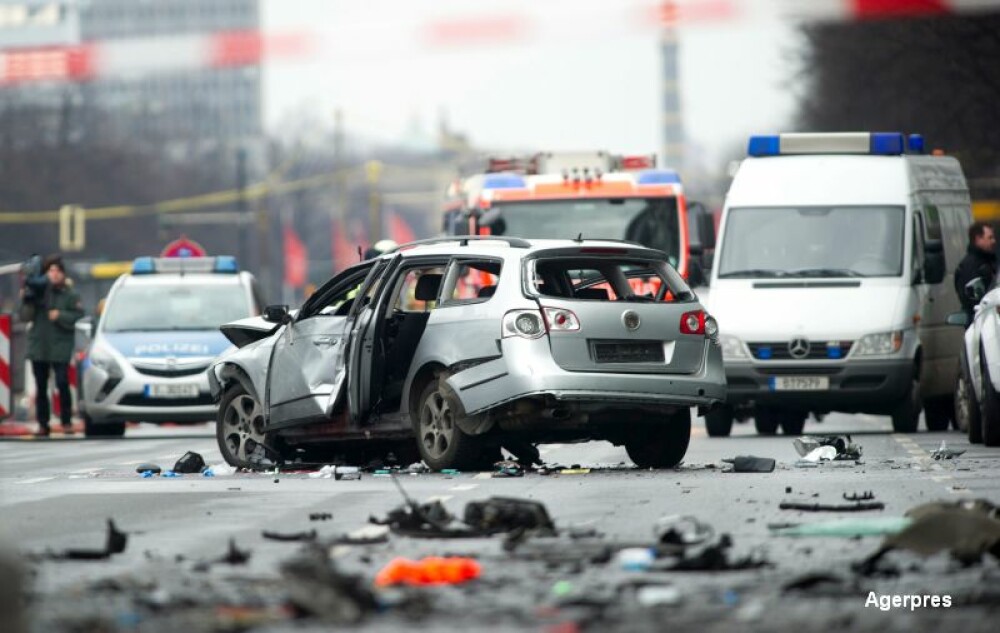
x,y
456,347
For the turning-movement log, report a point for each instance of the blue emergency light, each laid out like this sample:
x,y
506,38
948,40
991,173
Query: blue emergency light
x,y
224,264
658,177
915,143
764,352
872,143
504,181
143,266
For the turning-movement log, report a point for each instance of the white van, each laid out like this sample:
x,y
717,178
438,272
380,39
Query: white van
x,y
832,281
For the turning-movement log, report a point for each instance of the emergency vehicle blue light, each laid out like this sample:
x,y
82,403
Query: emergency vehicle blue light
x,y
764,353
886,143
143,266
833,352
915,143
503,181
659,177
226,264
764,145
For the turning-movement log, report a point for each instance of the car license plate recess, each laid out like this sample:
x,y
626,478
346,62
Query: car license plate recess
x,y
627,351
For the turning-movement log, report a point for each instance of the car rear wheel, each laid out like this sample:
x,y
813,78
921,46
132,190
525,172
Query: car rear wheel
x,y
442,443
239,429
719,422
662,445
906,413
766,421
93,428
938,413
990,408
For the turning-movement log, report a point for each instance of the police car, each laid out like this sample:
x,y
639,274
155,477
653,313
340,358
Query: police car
x,y
157,335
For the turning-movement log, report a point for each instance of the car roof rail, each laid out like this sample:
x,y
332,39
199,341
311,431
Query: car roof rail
x,y
463,240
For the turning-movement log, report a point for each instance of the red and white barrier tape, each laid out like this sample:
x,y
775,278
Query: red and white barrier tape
x,y
6,390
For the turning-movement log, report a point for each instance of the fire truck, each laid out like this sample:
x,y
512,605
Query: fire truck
x,y
591,195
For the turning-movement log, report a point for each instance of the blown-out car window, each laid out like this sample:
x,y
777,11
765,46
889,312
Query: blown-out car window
x,y
471,281
417,289
605,279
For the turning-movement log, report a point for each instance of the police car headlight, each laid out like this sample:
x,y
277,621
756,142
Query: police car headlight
x,y
879,344
105,360
732,347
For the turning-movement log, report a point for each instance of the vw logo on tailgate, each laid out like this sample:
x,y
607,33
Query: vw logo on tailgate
x,y
631,320
798,348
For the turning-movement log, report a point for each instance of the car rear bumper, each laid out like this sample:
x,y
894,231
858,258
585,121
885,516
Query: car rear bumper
x,y
526,370
871,386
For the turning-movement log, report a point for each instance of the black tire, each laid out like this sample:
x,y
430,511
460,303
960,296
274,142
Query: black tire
x,y
792,422
967,402
441,442
766,421
719,422
239,430
990,408
938,413
93,428
663,445
906,413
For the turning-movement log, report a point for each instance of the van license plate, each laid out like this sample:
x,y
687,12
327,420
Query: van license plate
x,y
800,383
184,390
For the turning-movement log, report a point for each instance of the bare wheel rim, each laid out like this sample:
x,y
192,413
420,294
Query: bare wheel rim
x,y
437,425
962,400
243,429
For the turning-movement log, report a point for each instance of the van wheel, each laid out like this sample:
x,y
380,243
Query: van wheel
x,y
663,445
239,430
967,410
792,422
92,428
990,408
441,442
906,413
719,422
766,421
938,413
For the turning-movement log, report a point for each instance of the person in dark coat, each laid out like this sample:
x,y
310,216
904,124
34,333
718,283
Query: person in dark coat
x,y
51,335
980,261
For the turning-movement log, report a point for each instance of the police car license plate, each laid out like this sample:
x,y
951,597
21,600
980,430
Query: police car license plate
x,y
183,390
800,383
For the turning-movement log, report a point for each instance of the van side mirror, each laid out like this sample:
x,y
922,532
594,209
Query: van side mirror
x,y
934,264
957,318
277,314
975,290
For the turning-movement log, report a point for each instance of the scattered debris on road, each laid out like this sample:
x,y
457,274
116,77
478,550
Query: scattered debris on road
x,y
943,452
750,464
508,468
316,588
858,506
289,537
863,496
506,514
843,528
234,555
682,530
190,463
320,516
432,570
844,448
115,543
148,468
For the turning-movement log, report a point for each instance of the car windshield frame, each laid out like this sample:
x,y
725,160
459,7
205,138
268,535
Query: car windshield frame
x,y
569,223
151,298
849,240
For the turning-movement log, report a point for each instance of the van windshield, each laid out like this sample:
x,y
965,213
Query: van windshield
x,y
813,242
158,307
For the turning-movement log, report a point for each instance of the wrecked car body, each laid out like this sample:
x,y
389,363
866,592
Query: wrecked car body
x,y
470,343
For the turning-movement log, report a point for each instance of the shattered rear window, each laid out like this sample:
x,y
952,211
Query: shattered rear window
x,y
607,279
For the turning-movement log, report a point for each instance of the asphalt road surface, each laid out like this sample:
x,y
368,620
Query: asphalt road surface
x,y
57,494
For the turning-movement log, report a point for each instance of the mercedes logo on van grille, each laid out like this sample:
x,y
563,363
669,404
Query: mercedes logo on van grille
x,y
631,320
798,348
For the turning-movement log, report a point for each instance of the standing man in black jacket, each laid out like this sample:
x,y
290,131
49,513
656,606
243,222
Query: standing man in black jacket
x,y
980,261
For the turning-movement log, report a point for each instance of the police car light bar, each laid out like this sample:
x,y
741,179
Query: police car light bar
x,y
151,265
877,143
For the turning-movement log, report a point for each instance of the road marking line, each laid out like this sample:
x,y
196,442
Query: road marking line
x,y
464,487
35,480
940,478
483,476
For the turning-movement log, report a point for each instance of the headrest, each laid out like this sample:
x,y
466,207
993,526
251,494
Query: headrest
x,y
593,294
427,287
486,291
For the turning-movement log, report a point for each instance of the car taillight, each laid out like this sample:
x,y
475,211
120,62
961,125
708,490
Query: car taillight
x,y
693,322
560,320
523,323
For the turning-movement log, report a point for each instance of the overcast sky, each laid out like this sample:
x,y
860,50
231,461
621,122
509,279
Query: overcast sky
x,y
556,74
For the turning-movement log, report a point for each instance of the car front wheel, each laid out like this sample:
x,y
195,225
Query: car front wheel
x,y
662,445
442,443
239,429
906,413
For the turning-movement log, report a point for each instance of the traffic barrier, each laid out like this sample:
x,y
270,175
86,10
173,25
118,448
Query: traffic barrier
x,y
6,386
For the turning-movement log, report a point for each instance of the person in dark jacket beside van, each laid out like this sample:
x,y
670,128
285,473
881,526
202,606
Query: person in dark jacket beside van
x,y
980,261
53,316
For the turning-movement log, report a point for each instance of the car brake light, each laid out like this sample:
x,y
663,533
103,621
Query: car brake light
x,y
560,320
693,322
